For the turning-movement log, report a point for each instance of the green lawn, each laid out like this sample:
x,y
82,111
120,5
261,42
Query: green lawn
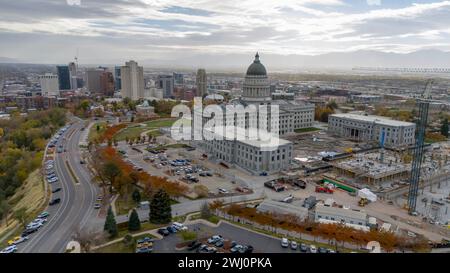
x,y
120,247
160,123
93,133
213,219
306,130
135,130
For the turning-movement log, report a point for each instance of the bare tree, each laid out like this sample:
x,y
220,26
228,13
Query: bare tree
x,y
88,238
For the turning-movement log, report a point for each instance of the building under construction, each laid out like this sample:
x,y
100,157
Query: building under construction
x,y
369,168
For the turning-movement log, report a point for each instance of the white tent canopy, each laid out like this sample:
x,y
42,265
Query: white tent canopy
x,y
366,193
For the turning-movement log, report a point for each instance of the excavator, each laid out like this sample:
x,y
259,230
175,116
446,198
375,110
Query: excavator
x,y
363,202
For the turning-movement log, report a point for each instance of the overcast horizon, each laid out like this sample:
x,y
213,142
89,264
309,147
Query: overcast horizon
x,y
226,34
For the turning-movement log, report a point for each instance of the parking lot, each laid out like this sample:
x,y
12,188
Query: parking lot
x,y
260,242
181,165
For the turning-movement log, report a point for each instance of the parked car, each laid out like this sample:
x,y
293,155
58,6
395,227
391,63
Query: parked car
x,y
28,231
56,190
9,249
249,249
55,201
43,215
17,240
211,249
214,239
202,249
284,242
237,249
97,206
143,250
194,245
294,245
303,247
223,191
322,250
163,231
171,229
219,243
179,226
312,249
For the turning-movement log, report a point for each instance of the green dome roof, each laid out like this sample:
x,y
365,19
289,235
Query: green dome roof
x,y
256,68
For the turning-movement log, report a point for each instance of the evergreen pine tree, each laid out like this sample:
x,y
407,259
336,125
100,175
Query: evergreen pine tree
x,y
136,196
160,210
134,224
110,223
444,128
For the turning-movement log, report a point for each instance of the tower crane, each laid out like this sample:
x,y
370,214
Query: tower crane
x,y
418,152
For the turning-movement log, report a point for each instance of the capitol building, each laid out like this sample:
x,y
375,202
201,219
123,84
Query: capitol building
x,y
255,155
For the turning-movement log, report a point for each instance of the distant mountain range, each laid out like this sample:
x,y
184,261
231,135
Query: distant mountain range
x,y
8,60
335,60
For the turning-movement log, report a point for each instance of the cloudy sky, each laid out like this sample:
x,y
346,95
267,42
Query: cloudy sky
x,y
111,31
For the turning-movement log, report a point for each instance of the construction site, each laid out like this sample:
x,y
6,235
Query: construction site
x,y
370,170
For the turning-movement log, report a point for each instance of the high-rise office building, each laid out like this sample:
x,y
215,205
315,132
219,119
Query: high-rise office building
x,y
93,80
73,76
132,80
178,78
166,83
117,78
49,84
63,77
202,82
107,84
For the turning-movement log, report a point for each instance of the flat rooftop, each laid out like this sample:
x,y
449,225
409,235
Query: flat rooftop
x,y
374,119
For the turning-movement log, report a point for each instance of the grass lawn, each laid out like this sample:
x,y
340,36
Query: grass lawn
x,y
120,247
213,219
93,133
130,132
135,130
306,130
30,197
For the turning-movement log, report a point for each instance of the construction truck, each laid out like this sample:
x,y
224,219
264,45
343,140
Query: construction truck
x,y
321,189
362,202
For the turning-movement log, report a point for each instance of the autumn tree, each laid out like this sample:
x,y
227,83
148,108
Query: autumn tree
x,y
111,172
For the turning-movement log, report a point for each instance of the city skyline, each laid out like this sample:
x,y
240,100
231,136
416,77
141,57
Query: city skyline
x,y
192,32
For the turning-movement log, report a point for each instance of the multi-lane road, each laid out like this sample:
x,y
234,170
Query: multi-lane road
x,y
78,196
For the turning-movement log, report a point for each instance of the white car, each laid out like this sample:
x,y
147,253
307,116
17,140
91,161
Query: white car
x,y
284,242
9,249
179,226
223,191
34,225
214,239
313,249
294,245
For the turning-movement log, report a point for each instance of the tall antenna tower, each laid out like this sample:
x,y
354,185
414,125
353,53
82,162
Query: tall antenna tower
x,y
76,59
